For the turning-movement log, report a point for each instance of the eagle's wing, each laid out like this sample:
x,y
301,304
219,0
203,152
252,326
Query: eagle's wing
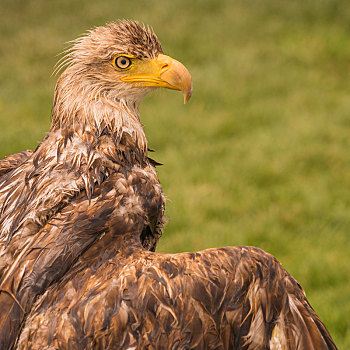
x,y
46,257
35,190
13,161
226,298
37,202
32,193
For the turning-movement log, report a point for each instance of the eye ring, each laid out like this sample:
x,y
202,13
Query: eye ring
x,y
122,62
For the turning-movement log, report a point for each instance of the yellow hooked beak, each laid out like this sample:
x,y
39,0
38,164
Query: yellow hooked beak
x,y
162,71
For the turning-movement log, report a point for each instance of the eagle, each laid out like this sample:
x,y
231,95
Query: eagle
x,y
81,215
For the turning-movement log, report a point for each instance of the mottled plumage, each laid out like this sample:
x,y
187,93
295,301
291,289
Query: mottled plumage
x,y
52,202
225,298
81,215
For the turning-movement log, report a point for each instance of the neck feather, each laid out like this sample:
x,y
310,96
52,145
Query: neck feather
x,y
79,110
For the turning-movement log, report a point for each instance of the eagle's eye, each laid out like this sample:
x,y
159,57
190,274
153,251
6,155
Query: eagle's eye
x,y
122,62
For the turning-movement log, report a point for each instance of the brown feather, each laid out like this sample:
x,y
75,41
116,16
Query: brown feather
x,y
13,161
80,219
57,201
226,298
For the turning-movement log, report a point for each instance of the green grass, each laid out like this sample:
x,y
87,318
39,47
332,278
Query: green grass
x,y
260,155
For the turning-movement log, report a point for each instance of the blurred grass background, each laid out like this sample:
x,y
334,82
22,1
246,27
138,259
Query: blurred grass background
x,y
260,155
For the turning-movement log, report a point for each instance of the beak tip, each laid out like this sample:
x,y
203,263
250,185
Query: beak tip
x,y
187,95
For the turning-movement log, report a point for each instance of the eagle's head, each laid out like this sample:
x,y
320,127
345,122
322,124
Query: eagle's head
x,y
120,62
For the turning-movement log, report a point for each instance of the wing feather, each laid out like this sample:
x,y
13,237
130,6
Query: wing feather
x,y
226,298
13,161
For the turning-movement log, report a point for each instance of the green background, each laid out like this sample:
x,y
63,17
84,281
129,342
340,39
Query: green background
x,y
259,156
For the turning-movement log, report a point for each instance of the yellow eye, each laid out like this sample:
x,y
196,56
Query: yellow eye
x,y
122,62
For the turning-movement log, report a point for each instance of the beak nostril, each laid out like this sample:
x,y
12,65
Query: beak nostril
x,y
165,66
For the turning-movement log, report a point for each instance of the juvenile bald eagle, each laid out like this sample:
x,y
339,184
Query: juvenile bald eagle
x,y
81,216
